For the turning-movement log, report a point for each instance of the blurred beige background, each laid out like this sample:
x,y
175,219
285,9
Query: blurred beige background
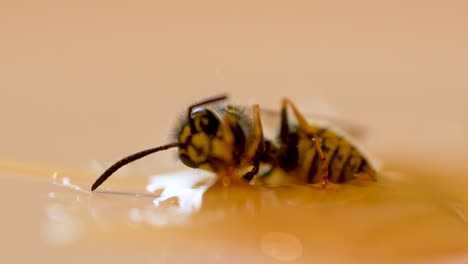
x,y
97,80
83,80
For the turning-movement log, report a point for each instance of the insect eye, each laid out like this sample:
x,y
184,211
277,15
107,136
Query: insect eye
x,y
207,121
209,124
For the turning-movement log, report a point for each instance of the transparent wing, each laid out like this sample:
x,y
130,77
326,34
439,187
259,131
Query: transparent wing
x,y
271,120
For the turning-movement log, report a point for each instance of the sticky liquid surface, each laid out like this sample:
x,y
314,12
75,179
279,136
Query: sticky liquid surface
x,y
182,216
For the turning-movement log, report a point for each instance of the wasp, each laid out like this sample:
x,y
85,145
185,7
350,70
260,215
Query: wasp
x,y
224,139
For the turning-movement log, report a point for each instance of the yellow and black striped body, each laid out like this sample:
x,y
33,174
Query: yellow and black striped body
x,y
297,156
204,146
226,139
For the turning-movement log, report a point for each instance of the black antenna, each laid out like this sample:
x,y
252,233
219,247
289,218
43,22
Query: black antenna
x,y
206,101
127,160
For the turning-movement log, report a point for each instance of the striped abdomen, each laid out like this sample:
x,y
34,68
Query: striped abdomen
x,y
344,160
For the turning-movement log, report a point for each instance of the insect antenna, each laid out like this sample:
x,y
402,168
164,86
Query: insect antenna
x,y
206,101
127,160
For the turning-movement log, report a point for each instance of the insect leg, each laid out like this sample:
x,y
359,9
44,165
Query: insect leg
x,y
307,165
228,137
304,126
256,146
226,150
256,167
284,130
269,157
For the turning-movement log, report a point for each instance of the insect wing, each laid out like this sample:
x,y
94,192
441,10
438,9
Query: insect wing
x,y
271,121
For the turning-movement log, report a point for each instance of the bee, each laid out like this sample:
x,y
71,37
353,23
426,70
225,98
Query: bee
x,y
224,139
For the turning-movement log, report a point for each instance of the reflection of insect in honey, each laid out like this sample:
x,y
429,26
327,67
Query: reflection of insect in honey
x,y
226,140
